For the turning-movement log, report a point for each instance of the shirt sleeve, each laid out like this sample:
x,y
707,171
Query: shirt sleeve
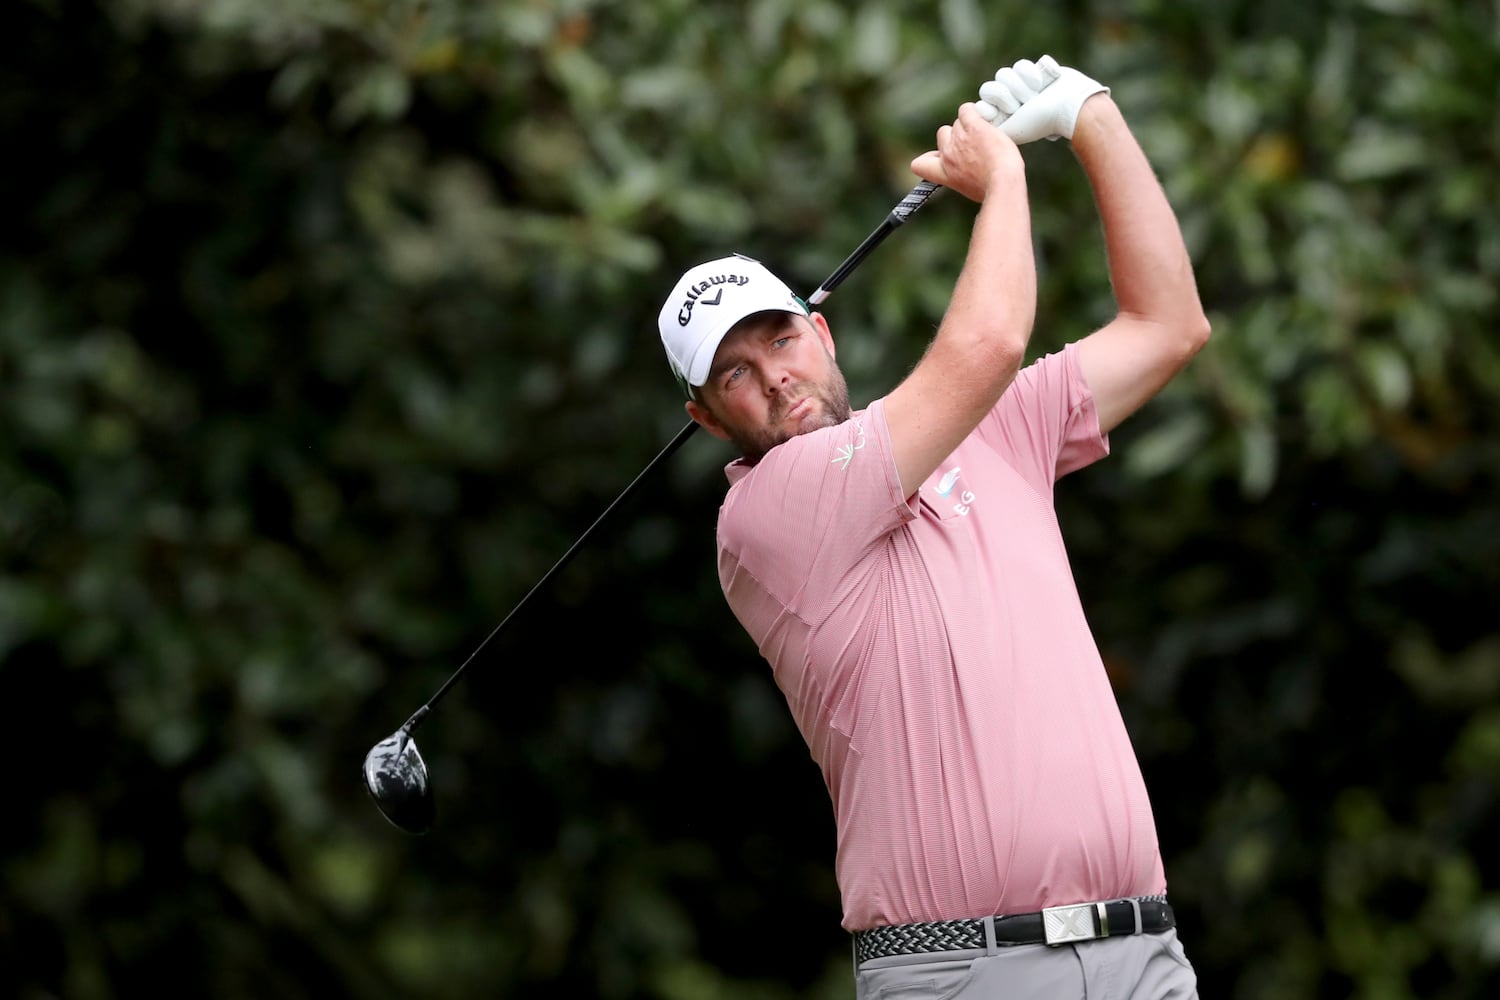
x,y
1046,424
807,513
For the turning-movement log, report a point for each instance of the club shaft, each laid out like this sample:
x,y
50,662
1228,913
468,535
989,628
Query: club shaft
x,y
914,200
905,209
566,558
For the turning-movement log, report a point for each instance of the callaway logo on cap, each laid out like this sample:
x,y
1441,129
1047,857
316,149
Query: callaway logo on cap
x,y
708,300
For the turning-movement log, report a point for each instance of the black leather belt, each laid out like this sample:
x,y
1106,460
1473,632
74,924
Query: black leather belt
x,y
1056,925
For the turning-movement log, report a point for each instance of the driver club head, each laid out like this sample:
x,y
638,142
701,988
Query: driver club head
x,y
396,778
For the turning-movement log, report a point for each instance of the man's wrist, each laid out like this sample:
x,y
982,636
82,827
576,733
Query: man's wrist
x,y
1098,112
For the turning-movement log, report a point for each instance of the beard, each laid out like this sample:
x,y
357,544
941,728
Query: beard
x,y
831,408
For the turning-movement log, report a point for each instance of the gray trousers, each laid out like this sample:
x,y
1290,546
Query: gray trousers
x,y
1130,967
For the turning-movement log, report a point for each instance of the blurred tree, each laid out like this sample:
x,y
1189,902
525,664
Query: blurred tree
x,y
325,328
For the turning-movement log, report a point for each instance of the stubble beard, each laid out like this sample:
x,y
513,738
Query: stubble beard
x,y
833,409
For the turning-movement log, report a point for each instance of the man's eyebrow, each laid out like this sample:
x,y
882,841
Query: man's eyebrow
x,y
774,325
721,365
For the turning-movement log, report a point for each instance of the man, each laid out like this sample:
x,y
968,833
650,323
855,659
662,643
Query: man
x,y
902,570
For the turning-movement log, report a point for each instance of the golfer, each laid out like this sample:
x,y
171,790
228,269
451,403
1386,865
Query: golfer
x,y
901,569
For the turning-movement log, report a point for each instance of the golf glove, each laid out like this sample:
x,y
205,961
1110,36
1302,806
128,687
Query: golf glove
x,y
1036,100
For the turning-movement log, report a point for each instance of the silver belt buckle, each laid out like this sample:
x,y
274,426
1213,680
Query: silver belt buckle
x,y
1066,924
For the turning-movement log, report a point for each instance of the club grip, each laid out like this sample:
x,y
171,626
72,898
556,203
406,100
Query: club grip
x,y
915,199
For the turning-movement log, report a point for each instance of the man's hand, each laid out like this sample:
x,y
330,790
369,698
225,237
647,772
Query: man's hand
x,y
970,155
1040,100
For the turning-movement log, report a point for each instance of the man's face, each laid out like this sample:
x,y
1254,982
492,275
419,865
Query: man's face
x,y
773,377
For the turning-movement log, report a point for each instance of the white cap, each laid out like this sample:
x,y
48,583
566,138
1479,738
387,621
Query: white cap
x,y
708,300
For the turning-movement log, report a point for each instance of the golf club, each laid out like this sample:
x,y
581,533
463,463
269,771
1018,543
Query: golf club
x,y
394,772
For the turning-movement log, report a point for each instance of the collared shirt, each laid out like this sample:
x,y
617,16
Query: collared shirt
x,y
936,658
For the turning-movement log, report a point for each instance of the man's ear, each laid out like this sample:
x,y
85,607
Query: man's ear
x,y
825,334
703,418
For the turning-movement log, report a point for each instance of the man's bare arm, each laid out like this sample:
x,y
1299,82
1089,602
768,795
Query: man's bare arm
x,y
982,339
1160,324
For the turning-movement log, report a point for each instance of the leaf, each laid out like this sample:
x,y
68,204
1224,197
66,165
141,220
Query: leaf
x,y
1375,152
1166,446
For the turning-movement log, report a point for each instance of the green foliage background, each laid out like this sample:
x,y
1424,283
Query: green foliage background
x,y
326,326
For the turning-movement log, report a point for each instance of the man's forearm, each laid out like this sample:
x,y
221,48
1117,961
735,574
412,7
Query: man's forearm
x,y
1148,262
996,289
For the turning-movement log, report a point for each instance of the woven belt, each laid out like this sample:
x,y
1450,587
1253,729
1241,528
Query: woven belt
x,y
1056,925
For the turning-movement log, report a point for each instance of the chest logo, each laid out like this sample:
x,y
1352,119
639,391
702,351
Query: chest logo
x,y
945,488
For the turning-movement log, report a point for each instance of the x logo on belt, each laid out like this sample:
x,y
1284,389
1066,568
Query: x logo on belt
x,y
1065,924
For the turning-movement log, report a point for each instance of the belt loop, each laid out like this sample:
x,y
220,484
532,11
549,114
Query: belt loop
x,y
989,936
1135,904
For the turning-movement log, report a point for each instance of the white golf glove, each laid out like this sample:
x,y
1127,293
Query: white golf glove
x,y
1036,100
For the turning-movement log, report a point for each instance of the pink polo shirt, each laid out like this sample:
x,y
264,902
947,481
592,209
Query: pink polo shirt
x,y
937,661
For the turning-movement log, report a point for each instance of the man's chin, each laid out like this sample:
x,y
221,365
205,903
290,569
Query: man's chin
x,y
813,420
813,415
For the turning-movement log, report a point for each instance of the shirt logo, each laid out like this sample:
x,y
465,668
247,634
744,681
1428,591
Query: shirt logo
x,y
965,497
844,453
